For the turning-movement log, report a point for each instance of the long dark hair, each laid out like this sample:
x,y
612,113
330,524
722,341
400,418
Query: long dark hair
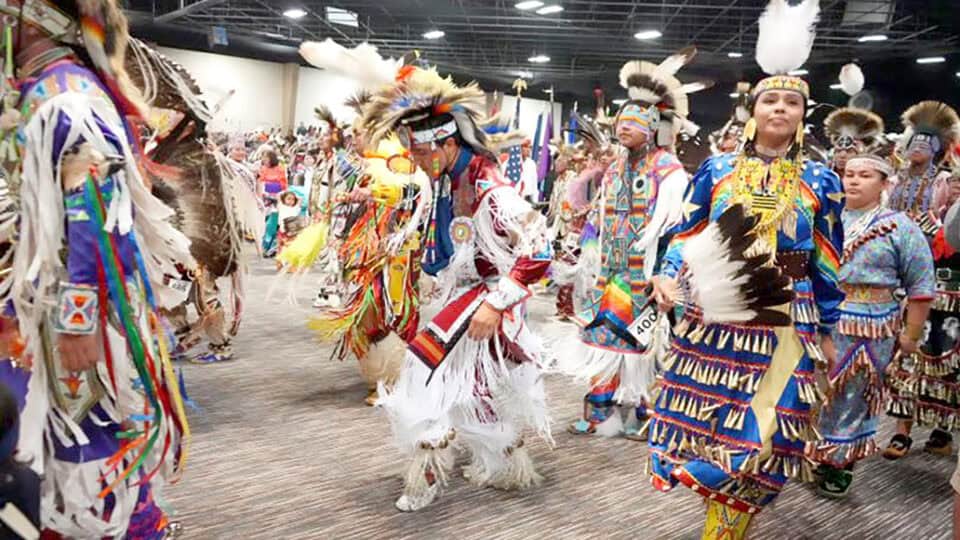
x,y
272,158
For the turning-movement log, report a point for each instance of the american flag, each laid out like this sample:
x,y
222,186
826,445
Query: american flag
x,y
514,155
514,164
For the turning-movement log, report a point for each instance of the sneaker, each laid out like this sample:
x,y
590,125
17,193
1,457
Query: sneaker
x,y
835,483
898,447
582,427
172,531
939,443
411,503
211,358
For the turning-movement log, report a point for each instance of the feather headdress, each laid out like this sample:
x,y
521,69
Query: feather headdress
x,y
500,133
657,86
933,119
419,95
100,28
784,42
591,132
848,125
737,121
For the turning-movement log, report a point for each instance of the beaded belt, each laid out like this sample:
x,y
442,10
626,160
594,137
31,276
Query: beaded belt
x,y
865,294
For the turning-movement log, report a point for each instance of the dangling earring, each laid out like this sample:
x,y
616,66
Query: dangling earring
x,y
799,138
750,130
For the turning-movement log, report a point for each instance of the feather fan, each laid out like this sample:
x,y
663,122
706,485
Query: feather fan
x,y
728,286
786,35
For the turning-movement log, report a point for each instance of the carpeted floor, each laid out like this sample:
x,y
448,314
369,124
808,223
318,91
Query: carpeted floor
x,y
284,448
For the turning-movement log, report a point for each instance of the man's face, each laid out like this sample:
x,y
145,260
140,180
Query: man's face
x,y
526,150
730,141
631,136
841,155
430,158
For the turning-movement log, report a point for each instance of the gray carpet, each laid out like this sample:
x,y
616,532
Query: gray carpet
x,y
283,447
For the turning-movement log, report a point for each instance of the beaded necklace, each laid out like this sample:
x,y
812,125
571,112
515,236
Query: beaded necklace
x,y
769,192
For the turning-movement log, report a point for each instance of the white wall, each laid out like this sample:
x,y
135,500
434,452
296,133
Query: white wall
x,y
318,87
258,99
258,86
530,111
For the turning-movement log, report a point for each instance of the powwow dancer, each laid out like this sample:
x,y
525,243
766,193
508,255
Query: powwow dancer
x,y
733,414
379,254
642,199
471,378
925,386
214,198
103,420
883,250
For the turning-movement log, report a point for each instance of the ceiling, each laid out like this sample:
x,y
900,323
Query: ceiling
x,y
587,42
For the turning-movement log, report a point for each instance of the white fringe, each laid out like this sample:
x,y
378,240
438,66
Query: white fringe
x,y
506,228
421,412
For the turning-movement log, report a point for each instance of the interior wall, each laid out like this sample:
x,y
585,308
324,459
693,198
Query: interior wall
x,y
269,94
257,86
530,111
318,87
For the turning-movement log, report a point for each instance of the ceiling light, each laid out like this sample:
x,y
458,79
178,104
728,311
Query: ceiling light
x,y
836,86
295,13
872,37
547,10
524,74
735,54
620,101
434,34
539,59
734,95
797,72
958,74
931,60
528,4
648,34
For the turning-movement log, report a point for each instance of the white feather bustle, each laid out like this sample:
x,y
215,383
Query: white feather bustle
x,y
715,279
786,35
851,79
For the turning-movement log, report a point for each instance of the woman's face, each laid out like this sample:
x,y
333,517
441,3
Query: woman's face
x,y
309,160
778,113
863,185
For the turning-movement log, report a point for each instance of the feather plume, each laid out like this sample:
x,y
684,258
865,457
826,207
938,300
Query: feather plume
x,y
786,35
851,79
729,286
672,64
324,114
657,84
362,63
